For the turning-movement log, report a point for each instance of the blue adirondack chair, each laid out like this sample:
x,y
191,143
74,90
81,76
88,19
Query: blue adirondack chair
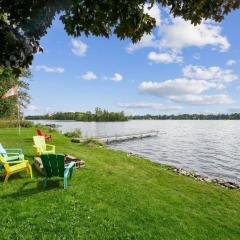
x,y
11,154
54,166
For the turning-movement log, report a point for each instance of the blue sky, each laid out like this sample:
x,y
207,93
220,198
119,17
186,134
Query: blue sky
x,y
179,68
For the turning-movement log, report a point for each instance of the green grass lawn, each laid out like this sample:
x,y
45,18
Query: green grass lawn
x,y
113,197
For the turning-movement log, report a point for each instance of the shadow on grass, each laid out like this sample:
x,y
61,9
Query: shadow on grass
x,y
28,140
38,180
24,191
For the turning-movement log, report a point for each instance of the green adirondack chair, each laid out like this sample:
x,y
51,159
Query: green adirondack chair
x,y
42,147
54,166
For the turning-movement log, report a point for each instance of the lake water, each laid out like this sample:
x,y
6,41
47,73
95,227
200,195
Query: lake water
x,y
211,148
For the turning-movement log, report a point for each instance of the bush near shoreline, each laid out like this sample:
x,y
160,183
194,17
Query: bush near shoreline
x,y
11,123
115,196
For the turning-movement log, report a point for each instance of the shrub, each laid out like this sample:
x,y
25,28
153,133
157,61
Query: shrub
x,y
93,142
77,133
53,130
14,123
26,124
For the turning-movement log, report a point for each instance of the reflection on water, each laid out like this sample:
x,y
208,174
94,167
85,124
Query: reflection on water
x,y
211,148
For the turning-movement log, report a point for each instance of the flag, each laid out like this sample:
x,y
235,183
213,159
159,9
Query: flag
x,y
11,92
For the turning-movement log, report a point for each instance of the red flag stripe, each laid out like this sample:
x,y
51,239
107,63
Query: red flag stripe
x,y
11,92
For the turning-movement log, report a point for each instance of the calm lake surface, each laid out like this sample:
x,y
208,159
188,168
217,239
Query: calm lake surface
x,y
211,148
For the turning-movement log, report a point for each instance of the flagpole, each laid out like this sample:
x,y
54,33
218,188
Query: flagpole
x,y
19,125
14,92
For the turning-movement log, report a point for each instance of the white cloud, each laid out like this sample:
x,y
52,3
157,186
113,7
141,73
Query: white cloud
x,y
32,108
230,62
175,34
179,34
203,99
154,12
40,110
185,91
190,88
78,47
164,57
45,68
176,87
116,77
147,41
214,74
89,76
146,105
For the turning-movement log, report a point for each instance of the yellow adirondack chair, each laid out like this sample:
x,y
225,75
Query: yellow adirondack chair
x,y
11,168
42,147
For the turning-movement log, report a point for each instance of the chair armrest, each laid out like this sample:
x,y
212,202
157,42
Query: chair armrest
x,y
13,162
70,165
14,149
13,156
13,153
50,146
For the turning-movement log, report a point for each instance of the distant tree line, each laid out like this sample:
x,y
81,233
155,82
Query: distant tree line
x,y
100,115
233,116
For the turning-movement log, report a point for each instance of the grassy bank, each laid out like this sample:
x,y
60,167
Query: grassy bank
x,y
113,197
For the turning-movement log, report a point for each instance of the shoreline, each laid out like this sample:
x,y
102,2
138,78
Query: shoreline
x,y
192,174
201,178
231,184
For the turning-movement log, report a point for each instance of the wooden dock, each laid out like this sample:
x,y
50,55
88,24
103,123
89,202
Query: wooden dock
x,y
120,138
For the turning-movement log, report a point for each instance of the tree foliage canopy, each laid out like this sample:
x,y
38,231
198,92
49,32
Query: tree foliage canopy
x,y
23,23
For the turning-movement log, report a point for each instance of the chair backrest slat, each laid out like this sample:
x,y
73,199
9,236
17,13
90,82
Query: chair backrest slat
x,y
39,141
39,132
53,164
2,151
